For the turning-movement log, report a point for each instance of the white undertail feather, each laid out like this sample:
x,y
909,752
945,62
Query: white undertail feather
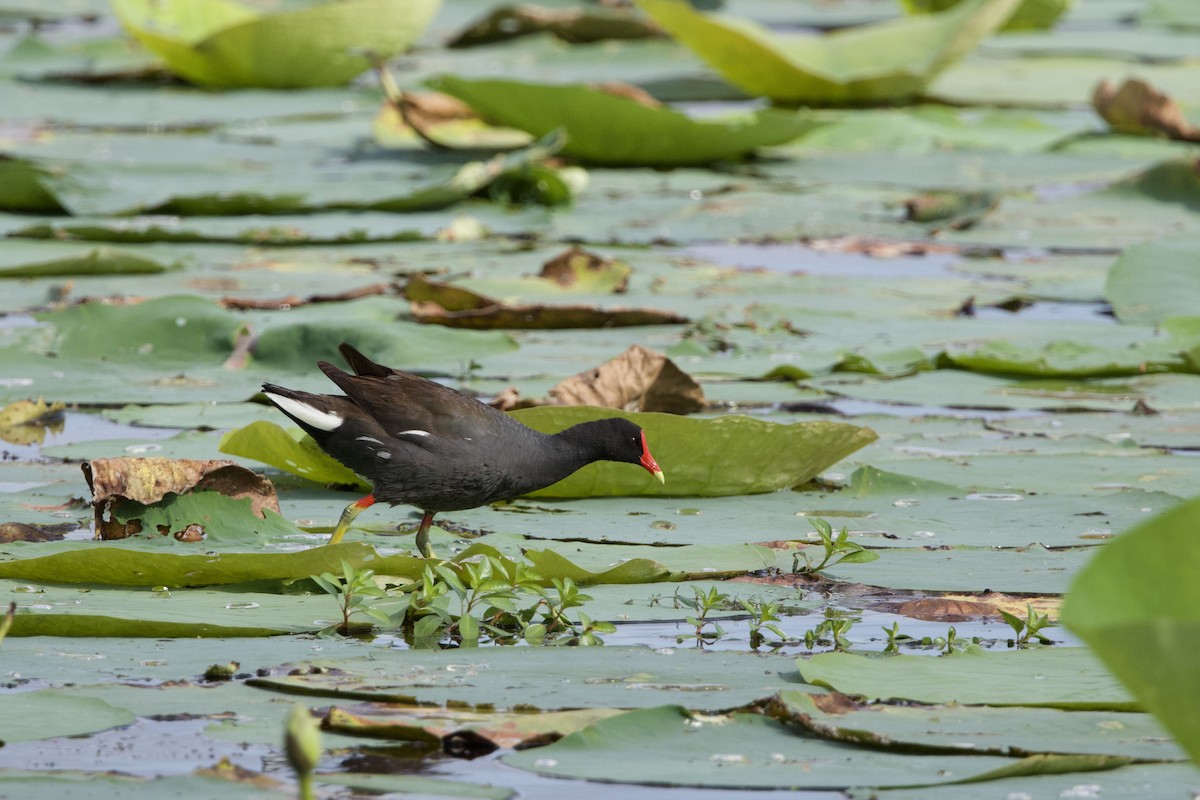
x,y
370,439
322,420
413,433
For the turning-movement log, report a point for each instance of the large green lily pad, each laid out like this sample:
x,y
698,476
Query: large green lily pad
x,y
708,458
1030,14
220,43
668,746
1059,677
888,62
1135,605
604,128
1153,281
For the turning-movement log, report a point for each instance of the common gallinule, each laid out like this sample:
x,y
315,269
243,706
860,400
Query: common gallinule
x,y
429,446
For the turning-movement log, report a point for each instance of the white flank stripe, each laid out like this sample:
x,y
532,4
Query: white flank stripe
x,y
367,439
322,420
413,433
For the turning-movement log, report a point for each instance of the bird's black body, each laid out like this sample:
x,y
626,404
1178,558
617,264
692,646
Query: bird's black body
x,y
429,446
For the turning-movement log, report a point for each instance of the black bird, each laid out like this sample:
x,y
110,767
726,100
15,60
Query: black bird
x,y
429,446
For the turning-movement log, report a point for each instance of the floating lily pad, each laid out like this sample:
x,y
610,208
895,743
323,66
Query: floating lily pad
x,y
708,457
1031,15
704,457
603,128
1059,677
1137,607
670,746
99,261
49,714
888,62
223,44
1153,281
983,729
1071,359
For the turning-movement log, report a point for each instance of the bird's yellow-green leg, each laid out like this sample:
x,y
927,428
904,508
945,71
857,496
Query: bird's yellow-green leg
x,y
423,535
351,511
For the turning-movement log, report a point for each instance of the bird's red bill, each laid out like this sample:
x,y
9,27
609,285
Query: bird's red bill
x,y
648,462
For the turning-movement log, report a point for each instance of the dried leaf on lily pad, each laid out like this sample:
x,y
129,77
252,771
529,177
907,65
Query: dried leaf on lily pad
x,y
441,120
1139,109
605,128
436,303
887,62
637,380
1031,15
220,43
25,422
543,317
574,25
148,480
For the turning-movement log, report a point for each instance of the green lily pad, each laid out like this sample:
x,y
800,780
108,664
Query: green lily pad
x,y
602,128
1136,605
887,62
219,43
291,450
48,714
99,261
1031,15
701,457
23,187
1058,677
728,455
1010,731
669,746
1156,280
1070,359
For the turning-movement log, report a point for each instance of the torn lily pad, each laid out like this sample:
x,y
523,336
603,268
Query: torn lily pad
x,y
223,44
118,483
888,62
604,128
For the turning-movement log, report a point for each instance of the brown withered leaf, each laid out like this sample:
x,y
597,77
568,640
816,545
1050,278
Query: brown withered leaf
x,y
942,609
577,268
148,480
572,25
540,317
637,380
1138,108
430,113
510,399
20,532
630,92
294,301
436,303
